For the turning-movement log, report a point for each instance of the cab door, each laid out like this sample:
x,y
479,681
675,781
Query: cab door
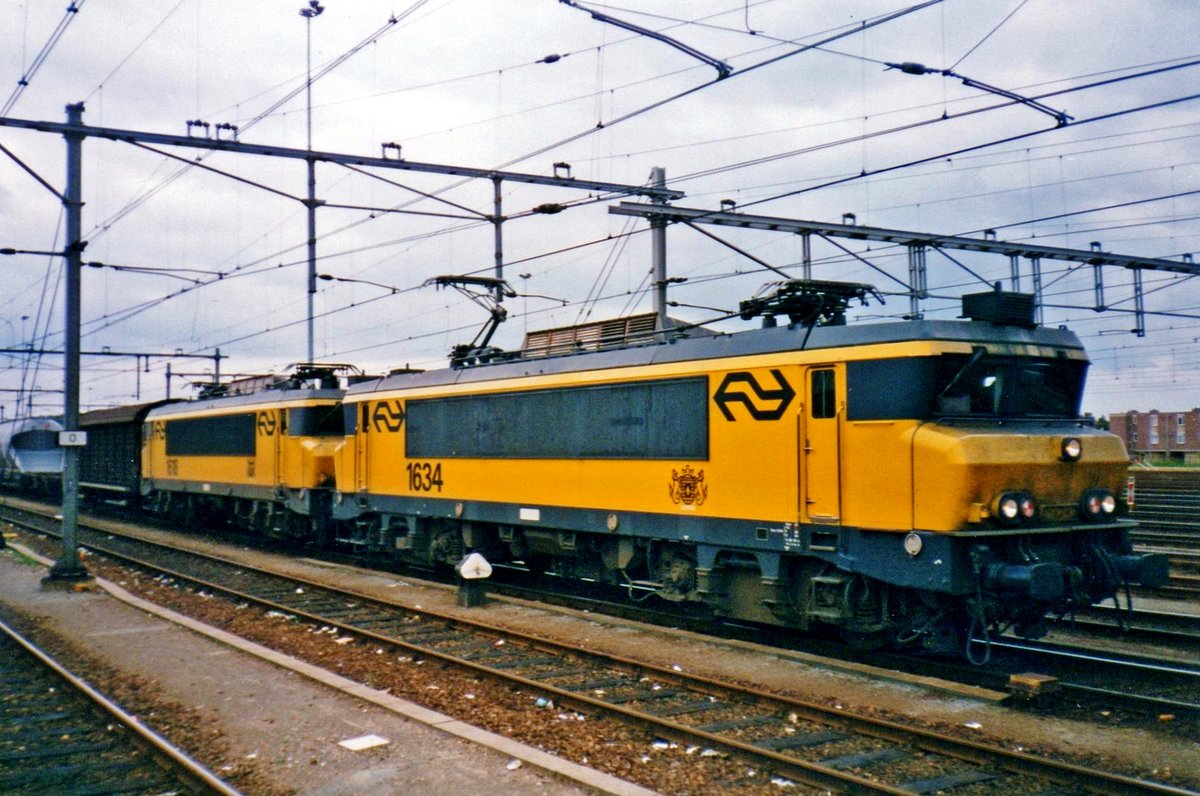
x,y
820,487
279,454
262,469
362,442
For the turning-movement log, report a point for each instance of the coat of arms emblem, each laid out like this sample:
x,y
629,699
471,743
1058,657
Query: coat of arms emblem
x,y
688,487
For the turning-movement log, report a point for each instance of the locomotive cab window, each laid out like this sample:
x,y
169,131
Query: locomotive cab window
x,y
317,421
998,386
35,440
965,385
824,394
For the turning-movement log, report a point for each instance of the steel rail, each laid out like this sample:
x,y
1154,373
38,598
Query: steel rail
x,y
172,760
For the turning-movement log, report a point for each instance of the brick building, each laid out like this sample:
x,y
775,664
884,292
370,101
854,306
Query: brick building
x,y
1159,436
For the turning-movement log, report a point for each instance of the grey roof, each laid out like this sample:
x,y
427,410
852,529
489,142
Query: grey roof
x,y
272,397
116,415
739,344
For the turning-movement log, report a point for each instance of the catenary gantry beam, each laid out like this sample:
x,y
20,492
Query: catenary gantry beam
x,y
230,145
902,237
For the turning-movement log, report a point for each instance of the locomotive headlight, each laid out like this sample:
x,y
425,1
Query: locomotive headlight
x,y
1012,508
1072,448
1009,508
1097,504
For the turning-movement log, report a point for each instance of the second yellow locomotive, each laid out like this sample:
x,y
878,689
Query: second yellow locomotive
x,y
264,460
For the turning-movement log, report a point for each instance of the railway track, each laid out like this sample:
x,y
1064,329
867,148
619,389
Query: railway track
x,y
1167,500
1177,635
1143,624
1167,508
1162,686
797,741
1129,685
60,736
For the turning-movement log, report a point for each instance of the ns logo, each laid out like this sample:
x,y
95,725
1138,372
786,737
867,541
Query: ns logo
x,y
386,416
267,423
761,401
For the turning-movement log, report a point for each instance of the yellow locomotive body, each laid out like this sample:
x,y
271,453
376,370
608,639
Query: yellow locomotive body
x,y
897,480
265,459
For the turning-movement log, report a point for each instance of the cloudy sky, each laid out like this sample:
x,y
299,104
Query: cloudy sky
x,y
211,259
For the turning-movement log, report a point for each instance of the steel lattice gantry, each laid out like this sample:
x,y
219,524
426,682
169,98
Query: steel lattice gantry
x,y
68,568
918,244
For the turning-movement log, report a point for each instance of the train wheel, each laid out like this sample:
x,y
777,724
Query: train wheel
x,y
445,545
676,574
868,626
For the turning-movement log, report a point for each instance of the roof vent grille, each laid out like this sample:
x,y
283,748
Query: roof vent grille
x,y
999,306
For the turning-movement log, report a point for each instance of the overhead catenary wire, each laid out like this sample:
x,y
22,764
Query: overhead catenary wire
x,y
605,271
976,147
592,95
108,320
40,58
134,50
758,34
139,310
392,291
979,43
865,25
390,25
834,122
264,331
961,158
138,201
47,300
432,334
934,121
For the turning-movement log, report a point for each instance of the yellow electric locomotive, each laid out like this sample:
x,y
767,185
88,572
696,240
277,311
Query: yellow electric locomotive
x,y
912,481
263,460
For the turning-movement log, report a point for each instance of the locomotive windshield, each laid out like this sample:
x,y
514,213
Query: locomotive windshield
x,y
316,421
965,385
35,440
992,386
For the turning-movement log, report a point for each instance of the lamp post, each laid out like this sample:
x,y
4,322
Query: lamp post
x,y
314,9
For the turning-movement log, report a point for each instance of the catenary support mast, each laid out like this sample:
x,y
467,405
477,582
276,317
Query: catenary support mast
x,y
68,568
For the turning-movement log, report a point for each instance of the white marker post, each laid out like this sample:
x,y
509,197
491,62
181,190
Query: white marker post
x,y
473,571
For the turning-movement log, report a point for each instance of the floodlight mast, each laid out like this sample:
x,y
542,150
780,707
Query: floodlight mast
x,y
314,9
